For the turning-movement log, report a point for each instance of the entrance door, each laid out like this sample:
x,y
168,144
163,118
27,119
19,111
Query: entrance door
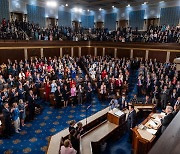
x,y
99,24
123,23
75,25
152,21
17,16
51,22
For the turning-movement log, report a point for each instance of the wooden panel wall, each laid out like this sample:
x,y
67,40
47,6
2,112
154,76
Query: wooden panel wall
x,y
34,52
13,54
173,55
123,53
139,53
87,51
159,55
84,51
76,52
66,51
109,52
51,52
99,51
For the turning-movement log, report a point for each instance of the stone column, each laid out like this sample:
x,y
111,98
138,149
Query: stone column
x,y
131,53
147,55
95,51
115,52
60,50
103,52
25,54
79,53
72,51
168,56
42,53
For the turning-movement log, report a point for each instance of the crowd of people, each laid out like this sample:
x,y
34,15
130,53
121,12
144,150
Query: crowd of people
x,y
20,84
109,75
22,30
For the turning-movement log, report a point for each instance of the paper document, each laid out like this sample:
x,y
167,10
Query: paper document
x,y
152,131
0,122
119,113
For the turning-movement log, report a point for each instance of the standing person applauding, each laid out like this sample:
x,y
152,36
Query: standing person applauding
x,y
15,117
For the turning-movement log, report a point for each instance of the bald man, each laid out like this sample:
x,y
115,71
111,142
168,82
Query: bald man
x,y
167,119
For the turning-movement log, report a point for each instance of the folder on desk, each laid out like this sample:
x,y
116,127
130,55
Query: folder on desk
x,y
119,113
0,123
152,131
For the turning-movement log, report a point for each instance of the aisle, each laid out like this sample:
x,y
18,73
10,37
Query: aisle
x,y
34,137
122,146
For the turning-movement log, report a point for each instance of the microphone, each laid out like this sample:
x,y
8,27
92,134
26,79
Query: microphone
x,y
88,107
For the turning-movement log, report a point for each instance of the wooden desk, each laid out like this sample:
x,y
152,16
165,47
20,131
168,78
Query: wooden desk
x,y
169,141
143,140
113,118
96,135
95,119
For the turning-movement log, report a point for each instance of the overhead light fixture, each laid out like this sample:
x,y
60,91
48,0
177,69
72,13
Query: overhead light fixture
x,y
144,3
100,9
51,3
113,6
66,4
128,5
78,10
88,10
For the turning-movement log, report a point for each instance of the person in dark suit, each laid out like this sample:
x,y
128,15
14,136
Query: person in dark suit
x,y
167,119
7,120
147,100
58,97
31,105
131,121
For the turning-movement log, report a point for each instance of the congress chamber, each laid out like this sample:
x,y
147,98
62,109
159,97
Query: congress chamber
x,y
89,77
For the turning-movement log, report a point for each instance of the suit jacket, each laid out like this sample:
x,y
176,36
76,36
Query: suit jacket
x,y
166,121
7,115
131,119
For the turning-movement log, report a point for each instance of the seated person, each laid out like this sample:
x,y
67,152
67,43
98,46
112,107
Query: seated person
x,y
113,104
167,119
123,102
147,100
176,109
67,148
134,100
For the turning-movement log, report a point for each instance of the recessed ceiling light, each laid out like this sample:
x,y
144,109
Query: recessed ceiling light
x,y
100,9
88,10
113,6
66,4
128,5
51,3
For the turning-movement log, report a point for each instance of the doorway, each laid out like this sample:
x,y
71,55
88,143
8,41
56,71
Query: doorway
x,y
123,23
99,24
51,22
152,22
75,25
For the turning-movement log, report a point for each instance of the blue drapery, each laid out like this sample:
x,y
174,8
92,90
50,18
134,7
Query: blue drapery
x,y
4,11
36,15
110,21
170,16
87,21
64,18
136,19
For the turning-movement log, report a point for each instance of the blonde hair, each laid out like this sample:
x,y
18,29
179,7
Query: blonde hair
x,y
67,143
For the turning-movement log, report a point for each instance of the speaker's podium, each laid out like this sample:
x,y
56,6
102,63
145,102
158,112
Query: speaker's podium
x,y
113,127
116,116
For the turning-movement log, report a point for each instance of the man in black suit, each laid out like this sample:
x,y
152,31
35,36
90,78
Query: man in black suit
x,y
31,105
7,120
58,96
167,119
131,120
